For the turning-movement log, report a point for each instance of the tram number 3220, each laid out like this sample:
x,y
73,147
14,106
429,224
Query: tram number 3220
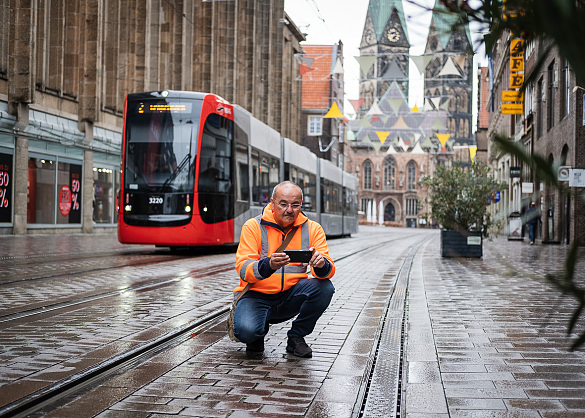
x,y
155,200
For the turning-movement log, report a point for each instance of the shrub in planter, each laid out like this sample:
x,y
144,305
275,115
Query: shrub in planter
x,y
458,198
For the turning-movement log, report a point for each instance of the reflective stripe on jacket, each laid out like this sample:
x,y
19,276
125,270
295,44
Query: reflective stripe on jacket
x,y
261,236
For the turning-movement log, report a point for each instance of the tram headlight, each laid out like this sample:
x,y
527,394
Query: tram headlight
x,y
187,209
164,93
128,208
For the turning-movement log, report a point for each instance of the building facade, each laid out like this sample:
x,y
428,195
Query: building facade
x,y
67,65
550,125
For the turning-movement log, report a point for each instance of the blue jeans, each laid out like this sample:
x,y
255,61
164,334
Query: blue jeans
x,y
531,228
308,299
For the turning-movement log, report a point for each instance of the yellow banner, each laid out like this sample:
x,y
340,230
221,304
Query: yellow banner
x,y
443,138
334,112
512,108
382,136
512,96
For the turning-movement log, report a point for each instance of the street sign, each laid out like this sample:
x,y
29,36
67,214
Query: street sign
x,y
515,172
564,173
577,178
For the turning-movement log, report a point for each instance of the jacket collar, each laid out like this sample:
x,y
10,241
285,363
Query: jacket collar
x,y
268,218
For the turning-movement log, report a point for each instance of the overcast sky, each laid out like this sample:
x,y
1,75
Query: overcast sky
x,y
328,21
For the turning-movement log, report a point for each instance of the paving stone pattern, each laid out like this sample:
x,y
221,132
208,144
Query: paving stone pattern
x,y
499,331
484,338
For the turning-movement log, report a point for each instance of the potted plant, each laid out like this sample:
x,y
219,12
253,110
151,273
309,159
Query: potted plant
x,y
458,197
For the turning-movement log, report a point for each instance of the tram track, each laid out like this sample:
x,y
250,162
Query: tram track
x,y
148,259
95,297
54,393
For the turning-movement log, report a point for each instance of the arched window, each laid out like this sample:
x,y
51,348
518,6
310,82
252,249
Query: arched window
x,y
389,173
411,175
367,174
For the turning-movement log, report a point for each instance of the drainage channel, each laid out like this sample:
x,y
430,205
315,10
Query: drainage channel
x,y
380,393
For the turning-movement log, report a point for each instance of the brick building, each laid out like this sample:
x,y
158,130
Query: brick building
x,y
67,65
323,84
550,125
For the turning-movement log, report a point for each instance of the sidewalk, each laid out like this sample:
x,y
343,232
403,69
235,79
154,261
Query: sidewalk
x,y
488,337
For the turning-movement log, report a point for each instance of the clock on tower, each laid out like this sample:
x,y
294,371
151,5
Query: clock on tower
x,y
393,35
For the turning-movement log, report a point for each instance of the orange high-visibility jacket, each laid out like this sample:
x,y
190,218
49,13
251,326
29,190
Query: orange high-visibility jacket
x,y
261,236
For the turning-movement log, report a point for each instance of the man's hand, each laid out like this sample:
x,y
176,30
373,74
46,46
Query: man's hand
x,y
278,260
317,260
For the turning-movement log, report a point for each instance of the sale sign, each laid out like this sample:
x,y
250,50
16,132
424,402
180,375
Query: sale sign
x,y
65,200
5,188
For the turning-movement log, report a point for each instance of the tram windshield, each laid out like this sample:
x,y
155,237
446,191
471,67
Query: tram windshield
x,y
161,145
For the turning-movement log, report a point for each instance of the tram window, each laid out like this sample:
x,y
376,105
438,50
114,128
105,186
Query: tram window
x,y
331,197
255,177
265,175
215,170
243,178
310,193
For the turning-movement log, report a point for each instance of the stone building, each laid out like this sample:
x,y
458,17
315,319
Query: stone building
x,y
392,145
67,65
550,124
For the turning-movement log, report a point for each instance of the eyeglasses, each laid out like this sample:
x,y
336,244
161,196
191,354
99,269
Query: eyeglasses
x,y
294,206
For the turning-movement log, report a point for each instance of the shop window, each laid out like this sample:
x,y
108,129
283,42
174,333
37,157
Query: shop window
x,y
54,191
105,182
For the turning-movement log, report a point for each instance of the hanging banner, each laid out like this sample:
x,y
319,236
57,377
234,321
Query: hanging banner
x,y
512,96
512,108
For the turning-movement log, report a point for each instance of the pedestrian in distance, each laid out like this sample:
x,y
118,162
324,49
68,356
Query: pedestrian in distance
x,y
532,220
280,289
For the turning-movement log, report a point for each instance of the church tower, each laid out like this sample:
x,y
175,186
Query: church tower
x,y
449,74
384,51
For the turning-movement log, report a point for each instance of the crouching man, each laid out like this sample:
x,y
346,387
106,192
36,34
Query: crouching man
x,y
280,289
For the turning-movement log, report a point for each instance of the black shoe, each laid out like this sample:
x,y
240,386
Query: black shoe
x,y
299,347
255,349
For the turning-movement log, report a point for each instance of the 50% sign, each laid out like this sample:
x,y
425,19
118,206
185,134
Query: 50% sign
x,y
4,181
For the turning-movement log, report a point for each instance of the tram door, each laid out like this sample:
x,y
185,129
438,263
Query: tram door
x,y
389,213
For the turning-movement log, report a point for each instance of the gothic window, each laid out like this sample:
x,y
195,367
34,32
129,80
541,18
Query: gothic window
x,y
411,175
367,174
389,173
551,95
463,101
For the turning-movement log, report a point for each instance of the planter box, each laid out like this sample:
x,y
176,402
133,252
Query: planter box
x,y
461,243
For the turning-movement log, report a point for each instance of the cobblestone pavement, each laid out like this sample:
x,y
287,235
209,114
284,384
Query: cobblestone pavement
x,y
484,338
487,338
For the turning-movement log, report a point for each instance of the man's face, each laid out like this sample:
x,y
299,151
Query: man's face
x,y
285,196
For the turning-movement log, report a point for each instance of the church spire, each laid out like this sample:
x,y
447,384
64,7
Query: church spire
x,y
444,25
384,50
381,13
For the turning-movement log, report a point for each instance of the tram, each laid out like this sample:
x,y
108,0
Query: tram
x,y
195,168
